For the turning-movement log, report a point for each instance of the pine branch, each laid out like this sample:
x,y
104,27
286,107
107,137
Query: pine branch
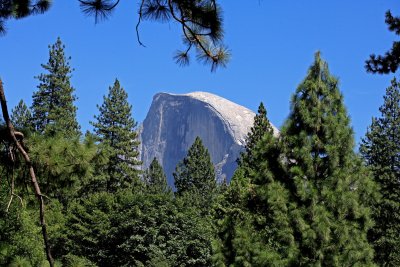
x,y
390,61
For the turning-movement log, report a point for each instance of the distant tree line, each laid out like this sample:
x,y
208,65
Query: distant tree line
x,y
302,198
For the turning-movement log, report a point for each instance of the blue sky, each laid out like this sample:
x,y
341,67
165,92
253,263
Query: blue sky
x,y
272,44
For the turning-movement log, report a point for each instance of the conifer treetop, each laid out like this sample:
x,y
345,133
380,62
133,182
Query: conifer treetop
x,y
53,106
115,128
196,171
381,151
21,116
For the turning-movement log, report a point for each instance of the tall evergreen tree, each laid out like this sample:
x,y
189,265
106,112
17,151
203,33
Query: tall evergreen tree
x,y
253,223
261,126
53,106
21,116
195,173
116,128
381,150
308,197
328,187
155,178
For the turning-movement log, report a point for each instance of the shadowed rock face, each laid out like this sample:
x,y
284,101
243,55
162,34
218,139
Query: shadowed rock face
x,y
174,121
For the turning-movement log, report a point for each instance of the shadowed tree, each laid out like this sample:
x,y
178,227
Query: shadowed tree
x,y
381,150
155,178
195,173
390,61
21,116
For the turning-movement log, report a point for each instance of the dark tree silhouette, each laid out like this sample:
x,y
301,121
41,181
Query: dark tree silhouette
x,y
384,64
18,9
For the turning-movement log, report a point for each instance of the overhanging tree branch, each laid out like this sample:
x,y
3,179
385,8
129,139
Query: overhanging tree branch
x,y
390,61
201,23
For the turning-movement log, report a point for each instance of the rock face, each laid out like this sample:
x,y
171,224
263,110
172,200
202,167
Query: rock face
x,y
174,121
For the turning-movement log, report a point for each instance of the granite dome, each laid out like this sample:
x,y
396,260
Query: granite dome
x,y
175,120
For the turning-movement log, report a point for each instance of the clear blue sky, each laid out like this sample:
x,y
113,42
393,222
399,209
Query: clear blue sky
x,y
272,43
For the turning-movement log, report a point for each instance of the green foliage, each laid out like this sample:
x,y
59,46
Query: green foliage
x,y
300,199
53,104
20,237
88,225
75,261
195,174
115,128
21,117
326,181
304,201
252,220
155,178
158,228
127,229
63,165
260,127
381,150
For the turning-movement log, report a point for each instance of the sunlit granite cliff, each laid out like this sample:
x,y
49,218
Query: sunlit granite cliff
x,y
174,121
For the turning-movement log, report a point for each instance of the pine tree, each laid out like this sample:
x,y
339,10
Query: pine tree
x,y
253,223
327,185
21,116
155,178
195,173
53,104
381,150
307,200
116,128
261,126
